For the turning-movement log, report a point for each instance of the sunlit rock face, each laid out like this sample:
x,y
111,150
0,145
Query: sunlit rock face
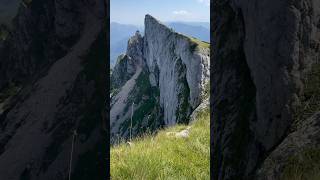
x,y
172,65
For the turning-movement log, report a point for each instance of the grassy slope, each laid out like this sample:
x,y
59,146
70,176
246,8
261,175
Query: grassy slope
x,y
202,44
166,157
304,166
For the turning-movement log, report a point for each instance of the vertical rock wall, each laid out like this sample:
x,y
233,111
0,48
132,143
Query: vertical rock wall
x,y
262,50
164,73
167,55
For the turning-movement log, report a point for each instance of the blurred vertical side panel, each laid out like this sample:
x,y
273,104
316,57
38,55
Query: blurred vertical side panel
x,y
53,89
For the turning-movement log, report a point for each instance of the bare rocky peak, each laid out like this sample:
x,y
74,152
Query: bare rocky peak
x,y
135,48
128,63
173,64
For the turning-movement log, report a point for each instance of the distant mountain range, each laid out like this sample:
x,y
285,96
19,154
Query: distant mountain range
x,y
199,30
120,33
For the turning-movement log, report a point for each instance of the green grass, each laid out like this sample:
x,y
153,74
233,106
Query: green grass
x,y
165,157
304,166
200,43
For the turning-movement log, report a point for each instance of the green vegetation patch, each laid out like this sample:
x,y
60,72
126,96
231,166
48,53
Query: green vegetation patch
x,y
145,97
303,166
183,111
119,75
163,156
196,43
310,100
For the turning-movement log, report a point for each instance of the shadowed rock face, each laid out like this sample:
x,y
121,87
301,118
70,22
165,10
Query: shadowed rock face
x,y
8,10
54,61
262,50
305,138
41,33
164,73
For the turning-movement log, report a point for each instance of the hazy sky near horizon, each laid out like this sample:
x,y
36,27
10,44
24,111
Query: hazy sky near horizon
x,y
133,11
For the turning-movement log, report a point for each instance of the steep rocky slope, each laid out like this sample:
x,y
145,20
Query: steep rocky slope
x,y
52,83
159,81
265,53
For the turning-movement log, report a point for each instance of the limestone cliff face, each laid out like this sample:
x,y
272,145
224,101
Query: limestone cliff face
x,y
173,67
263,51
52,66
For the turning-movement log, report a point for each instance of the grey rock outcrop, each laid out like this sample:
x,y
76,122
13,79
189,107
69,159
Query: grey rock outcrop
x,y
128,63
171,71
205,105
262,50
125,86
306,138
122,72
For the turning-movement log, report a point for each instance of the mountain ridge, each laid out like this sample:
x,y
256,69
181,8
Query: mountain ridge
x,y
118,42
139,60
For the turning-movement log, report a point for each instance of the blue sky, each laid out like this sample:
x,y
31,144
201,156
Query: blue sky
x,y
133,11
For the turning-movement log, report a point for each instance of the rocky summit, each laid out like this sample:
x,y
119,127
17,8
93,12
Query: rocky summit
x,y
160,80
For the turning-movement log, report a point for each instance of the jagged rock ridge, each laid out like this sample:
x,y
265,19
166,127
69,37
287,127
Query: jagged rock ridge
x,y
263,51
164,73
